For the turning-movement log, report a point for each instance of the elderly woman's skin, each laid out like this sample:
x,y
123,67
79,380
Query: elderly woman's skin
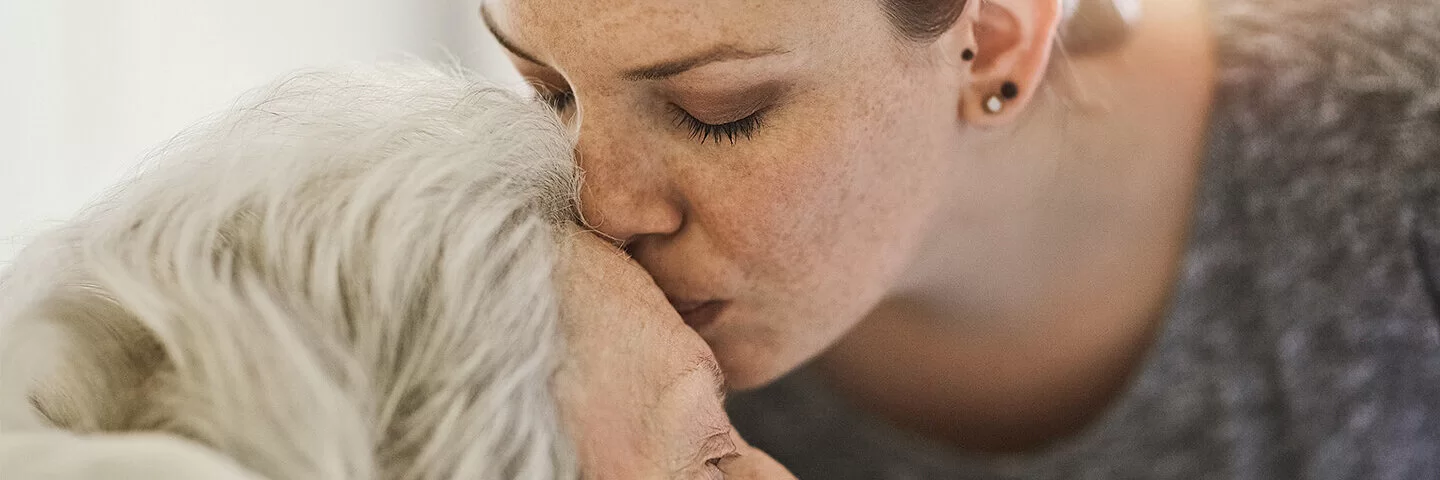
x,y
642,392
783,167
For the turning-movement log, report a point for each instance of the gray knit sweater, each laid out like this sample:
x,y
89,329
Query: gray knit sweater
x,y
1303,339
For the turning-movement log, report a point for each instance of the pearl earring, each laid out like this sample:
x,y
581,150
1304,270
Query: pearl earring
x,y
994,104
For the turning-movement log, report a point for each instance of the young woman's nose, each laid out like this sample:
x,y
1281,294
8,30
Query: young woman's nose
x,y
625,193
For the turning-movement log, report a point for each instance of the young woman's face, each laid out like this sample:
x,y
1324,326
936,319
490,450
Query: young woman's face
x,y
770,163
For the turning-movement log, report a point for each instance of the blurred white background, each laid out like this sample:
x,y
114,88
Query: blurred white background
x,y
88,86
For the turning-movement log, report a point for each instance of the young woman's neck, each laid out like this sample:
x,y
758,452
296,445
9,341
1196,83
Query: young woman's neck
x,y
1040,287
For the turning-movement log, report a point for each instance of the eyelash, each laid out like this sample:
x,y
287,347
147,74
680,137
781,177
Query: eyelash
x,y
745,127
701,131
715,462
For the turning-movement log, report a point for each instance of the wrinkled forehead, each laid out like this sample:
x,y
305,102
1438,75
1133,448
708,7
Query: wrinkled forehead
x,y
632,360
615,314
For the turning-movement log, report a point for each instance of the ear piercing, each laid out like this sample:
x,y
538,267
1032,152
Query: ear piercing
x,y
996,103
1008,91
993,104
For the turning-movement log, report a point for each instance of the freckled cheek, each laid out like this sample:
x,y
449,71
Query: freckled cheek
x,y
781,212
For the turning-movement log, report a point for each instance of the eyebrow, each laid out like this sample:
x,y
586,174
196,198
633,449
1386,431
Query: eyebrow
x,y
503,40
719,53
658,71
717,376
707,366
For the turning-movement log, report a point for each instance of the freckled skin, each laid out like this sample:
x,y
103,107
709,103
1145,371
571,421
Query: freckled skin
x,y
835,187
941,263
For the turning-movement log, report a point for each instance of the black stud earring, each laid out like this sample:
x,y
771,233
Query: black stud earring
x,y
967,55
1008,90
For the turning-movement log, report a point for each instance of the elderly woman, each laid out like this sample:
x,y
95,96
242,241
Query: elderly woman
x,y
362,275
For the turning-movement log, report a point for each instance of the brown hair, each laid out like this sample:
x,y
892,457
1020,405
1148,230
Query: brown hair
x,y
923,20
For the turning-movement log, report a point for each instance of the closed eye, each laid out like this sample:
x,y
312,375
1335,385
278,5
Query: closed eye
x,y
699,130
696,129
718,448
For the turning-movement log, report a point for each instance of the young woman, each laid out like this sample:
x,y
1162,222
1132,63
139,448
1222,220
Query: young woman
x,y
1029,238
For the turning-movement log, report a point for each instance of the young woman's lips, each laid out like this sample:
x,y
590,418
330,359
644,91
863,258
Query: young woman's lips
x,y
698,315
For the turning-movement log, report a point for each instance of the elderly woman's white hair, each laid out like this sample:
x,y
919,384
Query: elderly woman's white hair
x,y
350,275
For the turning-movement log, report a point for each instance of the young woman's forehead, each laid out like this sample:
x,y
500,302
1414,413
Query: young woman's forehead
x,y
623,33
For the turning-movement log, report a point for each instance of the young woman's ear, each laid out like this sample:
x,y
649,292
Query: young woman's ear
x,y
1005,47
